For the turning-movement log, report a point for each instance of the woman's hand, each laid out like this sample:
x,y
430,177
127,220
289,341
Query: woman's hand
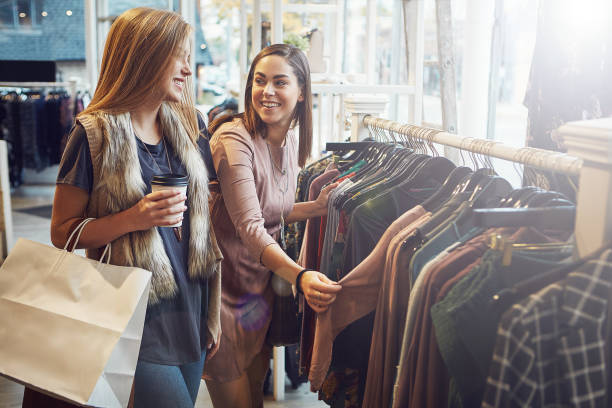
x,y
319,290
323,198
159,209
212,346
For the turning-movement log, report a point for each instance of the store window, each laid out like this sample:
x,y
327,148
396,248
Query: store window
x,y
45,30
116,7
21,14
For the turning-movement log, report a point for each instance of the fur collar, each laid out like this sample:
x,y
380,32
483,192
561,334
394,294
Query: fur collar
x,y
118,185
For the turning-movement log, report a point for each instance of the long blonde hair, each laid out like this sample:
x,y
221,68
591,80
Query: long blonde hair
x,y
137,55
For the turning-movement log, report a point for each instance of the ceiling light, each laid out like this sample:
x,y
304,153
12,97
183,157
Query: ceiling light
x,y
68,12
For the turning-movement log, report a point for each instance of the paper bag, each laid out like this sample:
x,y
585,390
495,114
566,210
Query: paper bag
x,y
71,326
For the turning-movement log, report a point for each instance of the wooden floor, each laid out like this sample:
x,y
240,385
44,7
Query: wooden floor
x,y
25,202
12,393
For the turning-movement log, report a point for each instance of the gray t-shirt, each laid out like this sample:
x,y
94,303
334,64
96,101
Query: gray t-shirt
x,y
175,329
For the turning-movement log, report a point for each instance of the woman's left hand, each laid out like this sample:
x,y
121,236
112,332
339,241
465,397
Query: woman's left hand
x,y
212,346
319,290
323,198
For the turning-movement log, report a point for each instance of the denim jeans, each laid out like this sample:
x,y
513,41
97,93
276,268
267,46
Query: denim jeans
x,y
158,385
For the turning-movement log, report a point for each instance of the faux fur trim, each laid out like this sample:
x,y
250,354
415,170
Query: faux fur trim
x,y
118,185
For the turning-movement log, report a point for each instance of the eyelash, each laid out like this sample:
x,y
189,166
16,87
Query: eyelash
x,y
260,81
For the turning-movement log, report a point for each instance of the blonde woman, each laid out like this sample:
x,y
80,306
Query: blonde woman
x,y
256,155
142,122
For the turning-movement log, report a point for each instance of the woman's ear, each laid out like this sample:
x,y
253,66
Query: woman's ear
x,y
301,97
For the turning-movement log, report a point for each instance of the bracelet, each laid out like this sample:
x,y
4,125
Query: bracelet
x,y
298,287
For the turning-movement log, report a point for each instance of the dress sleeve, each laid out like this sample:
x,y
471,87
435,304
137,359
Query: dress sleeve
x,y
76,167
233,158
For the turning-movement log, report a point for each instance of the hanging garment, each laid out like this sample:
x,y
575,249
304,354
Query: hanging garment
x,y
550,348
310,238
422,362
357,298
466,309
389,319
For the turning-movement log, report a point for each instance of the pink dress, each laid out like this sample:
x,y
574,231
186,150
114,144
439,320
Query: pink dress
x,y
246,219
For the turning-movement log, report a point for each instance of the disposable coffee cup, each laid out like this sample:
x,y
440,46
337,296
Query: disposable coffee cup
x,y
175,182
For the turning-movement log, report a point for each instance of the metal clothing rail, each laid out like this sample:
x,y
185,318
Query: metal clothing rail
x,y
70,85
539,158
36,84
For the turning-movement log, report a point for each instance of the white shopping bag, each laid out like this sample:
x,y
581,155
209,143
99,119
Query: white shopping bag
x,y
71,326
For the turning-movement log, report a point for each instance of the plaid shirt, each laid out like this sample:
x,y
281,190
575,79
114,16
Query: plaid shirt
x,y
550,347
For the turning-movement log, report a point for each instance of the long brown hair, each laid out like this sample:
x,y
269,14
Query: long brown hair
x,y
137,55
302,115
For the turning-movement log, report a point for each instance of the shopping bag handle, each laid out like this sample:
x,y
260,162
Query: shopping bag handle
x,y
78,230
107,251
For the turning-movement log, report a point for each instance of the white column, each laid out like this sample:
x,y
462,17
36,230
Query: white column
x,y
359,106
277,21
256,29
187,9
279,352
370,62
278,373
476,62
6,222
243,53
592,141
396,49
337,48
91,44
414,34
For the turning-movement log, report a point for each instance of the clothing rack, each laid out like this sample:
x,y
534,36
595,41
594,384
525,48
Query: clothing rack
x,y
6,223
71,85
337,146
543,159
589,145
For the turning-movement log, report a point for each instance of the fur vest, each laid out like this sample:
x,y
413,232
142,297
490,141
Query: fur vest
x,y
118,185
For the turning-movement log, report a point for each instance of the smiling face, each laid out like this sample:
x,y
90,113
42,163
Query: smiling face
x,y
179,68
275,92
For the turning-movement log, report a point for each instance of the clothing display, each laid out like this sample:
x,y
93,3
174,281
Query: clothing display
x,y
562,364
36,125
417,323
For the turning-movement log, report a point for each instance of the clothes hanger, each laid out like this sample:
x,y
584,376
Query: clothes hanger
x,y
366,174
541,198
362,154
515,194
489,192
472,180
450,184
384,179
559,218
402,165
436,168
512,295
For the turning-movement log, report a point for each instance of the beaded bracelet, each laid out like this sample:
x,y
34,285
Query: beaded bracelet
x,y
298,286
